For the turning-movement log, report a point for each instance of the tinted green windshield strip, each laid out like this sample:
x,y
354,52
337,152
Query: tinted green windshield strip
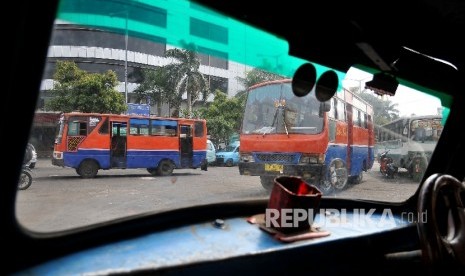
x,y
184,24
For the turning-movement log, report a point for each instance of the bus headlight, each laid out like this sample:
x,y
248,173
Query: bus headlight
x,y
246,157
312,158
57,155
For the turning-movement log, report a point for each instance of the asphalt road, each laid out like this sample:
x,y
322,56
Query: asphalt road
x,y
59,199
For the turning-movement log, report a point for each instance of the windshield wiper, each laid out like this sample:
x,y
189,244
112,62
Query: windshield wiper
x,y
284,121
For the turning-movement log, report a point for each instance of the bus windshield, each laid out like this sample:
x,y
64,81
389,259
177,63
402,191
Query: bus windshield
x,y
275,109
426,130
59,130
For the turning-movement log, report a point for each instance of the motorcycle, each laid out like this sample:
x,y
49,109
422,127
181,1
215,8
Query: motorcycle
x,y
386,165
25,179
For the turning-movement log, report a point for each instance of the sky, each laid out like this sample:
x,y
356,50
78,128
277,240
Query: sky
x,y
409,100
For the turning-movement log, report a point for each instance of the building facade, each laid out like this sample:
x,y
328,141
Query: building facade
x,y
97,50
137,38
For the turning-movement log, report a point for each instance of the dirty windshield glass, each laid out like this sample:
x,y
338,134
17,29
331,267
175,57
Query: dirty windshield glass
x,y
132,91
275,109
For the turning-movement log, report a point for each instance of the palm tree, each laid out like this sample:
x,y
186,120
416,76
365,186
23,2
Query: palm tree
x,y
384,110
185,75
389,110
253,77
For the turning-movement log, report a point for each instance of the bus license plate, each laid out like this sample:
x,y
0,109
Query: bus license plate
x,y
274,168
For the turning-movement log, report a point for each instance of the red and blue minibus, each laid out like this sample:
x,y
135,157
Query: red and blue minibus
x,y
92,141
326,143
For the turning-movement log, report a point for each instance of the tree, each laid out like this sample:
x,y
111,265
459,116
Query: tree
x,y
223,116
185,75
154,84
384,110
253,77
77,90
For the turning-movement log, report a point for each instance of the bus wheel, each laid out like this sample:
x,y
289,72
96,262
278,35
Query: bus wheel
x,y
267,182
152,171
165,168
87,169
338,174
326,187
357,179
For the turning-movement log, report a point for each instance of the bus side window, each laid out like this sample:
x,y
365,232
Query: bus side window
x,y
83,129
364,120
199,130
186,130
332,112
104,128
77,128
139,126
356,117
163,128
340,111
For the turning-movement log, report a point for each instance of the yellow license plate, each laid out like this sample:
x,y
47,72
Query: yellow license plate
x,y
273,168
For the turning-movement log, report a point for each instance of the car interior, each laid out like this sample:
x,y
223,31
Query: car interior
x,y
414,43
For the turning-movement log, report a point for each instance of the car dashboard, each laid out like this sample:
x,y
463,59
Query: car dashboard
x,y
239,244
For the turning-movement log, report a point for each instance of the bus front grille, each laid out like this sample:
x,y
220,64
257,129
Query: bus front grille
x,y
277,157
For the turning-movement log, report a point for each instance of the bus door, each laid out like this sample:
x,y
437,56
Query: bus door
x,y
369,123
118,144
186,145
350,137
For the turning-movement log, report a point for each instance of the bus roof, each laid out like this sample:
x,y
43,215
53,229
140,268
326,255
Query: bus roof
x,y
414,117
74,113
265,83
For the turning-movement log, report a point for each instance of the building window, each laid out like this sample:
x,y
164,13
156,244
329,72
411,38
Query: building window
x,y
218,83
208,30
213,58
71,35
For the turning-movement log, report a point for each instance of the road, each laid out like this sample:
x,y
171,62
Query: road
x,y
59,199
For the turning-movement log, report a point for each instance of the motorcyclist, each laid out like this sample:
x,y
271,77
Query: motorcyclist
x,y
28,154
387,166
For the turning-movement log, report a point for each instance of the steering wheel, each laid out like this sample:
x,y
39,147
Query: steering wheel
x,y
441,228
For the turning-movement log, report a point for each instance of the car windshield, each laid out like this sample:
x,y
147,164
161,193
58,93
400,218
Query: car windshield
x,y
230,148
132,90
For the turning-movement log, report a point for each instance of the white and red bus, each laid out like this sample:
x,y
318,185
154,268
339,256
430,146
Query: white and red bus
x,y
411,141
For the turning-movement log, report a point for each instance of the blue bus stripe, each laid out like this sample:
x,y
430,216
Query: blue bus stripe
x,y
134,158
359,153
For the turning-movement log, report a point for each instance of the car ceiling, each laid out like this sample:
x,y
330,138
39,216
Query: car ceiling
x,y
340,34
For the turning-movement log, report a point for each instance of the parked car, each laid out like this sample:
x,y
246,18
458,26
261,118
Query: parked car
x,y
416,228
211,152
228,156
